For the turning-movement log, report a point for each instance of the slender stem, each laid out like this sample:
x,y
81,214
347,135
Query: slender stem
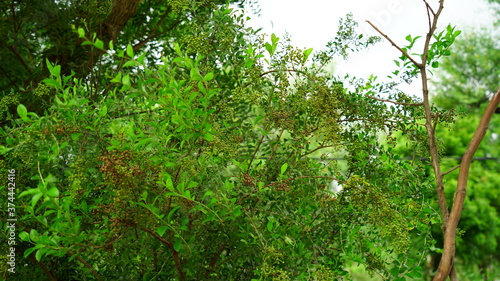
x,y
451,170
429,125
255,153
419,65
394,102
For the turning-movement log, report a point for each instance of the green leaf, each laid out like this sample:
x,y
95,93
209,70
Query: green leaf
x,y
209,76
192,184
35,199
53,192
177,245
417,272
40,253
33,236
274,40
307,53
81,32
30,191
435,64
22,111
208,137
288,240
169,184
76,136
111,46
99,44
283,168
126,80
161,230
395,271
269,48
195,75
84,207
32,249
130,51
171,213
24,236
103,111
55,70
208,193
130,63
143,142
270,225
4,150
118,78
51,82
237,211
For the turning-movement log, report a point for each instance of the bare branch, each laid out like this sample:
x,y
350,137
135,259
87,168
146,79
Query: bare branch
x,y
432,29
429,8
394,102
451,170
419,65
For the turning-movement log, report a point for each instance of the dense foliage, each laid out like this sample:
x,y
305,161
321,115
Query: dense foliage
x,y
198,167
175,143
45,29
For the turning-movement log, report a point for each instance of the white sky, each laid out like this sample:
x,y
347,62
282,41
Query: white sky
x,y
313,23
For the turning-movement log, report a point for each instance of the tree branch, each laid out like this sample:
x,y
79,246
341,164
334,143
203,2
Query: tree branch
x,y
456,211
44,268
451,170
175,254
419,65
18,56
86,265
394,102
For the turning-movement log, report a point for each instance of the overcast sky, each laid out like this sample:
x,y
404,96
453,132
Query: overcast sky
x,y
313,23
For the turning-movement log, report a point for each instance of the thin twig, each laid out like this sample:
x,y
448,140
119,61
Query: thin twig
x,y
429,8
451,170
419,65
395,102
255,153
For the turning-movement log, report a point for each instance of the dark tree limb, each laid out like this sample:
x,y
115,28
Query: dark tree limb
x,y
122,11
175,254
44,268
20,58
90,268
